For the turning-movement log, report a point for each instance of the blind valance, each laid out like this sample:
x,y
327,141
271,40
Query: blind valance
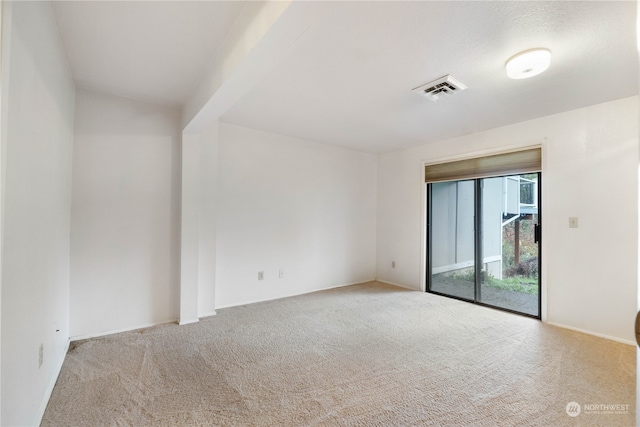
x,y
517,162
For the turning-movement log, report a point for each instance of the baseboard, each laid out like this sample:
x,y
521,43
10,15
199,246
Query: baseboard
x,y
188,322
207,314
595,334
213,313
584,331
52,384
397,284
293,295
117,331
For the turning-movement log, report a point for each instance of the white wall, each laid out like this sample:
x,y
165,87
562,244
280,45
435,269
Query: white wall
x,y
209,166
590,170
243,39
190,202
290,204
125,214
198,224
38,99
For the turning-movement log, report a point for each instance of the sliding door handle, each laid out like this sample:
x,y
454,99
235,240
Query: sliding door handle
x,y
536,233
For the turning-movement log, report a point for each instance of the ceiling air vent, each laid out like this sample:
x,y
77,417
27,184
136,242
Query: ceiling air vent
x,y
446,85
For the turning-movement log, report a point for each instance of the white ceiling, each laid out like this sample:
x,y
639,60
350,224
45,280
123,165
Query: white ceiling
x,y
347,80
155,51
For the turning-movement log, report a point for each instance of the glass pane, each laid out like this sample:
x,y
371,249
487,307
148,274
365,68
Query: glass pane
x,y
452,239
509,274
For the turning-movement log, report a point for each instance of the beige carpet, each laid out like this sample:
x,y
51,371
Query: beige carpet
x,y
364,355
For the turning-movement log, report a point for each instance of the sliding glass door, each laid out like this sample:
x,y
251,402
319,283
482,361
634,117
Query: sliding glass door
x,y
484,241
452,246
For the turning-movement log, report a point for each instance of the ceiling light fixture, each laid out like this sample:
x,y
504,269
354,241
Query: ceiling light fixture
x,y
528,63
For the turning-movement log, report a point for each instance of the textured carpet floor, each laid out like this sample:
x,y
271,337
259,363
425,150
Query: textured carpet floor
x,y
363,355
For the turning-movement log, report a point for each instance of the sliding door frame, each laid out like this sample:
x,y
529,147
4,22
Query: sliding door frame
x,y
477,238
478,248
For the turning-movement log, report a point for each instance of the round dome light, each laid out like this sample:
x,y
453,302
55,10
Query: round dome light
x,y
528,63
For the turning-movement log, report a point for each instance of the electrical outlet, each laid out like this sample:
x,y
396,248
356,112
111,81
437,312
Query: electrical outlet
x,y
393,264
40,356
260,275
573,222
281,273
